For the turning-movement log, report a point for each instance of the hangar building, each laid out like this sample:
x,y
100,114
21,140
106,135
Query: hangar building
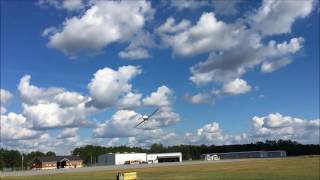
x,y
164,157
245,154
138,158
122,158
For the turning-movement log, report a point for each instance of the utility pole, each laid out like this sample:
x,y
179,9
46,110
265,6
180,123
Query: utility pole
x,y
22,158
91,157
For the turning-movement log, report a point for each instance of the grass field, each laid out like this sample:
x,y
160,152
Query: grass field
x,y
305,168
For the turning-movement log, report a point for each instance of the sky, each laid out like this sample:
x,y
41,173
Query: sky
x,y
79,72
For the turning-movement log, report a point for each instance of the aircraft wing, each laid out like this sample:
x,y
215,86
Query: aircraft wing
x,y
139,123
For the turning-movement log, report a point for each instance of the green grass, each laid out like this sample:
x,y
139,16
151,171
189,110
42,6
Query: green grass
x,y
305,168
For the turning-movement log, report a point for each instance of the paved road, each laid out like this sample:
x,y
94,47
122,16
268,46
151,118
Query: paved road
x,y
118,167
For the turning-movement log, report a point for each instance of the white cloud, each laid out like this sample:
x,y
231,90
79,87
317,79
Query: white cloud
x,y
73,5
212,134
164,117
200,98
32,95
113,142
51,115
5,96
109,85
41,143
225,7
188,4
268,67
103,23
137,53
69,5
209,34
170,26
130,101
236,86
148,138
277,126
235,62
162,97
68,133
16,127
52,107
66,99
123,122
138,47
285,13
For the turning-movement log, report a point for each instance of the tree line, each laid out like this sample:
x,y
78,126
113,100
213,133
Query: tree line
x,y
14,159
89,153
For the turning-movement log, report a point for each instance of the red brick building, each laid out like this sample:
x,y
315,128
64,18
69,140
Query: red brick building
x,y
56,162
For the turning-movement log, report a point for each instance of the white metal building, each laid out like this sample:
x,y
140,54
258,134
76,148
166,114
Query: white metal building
x,y
138,158
122,158
164,157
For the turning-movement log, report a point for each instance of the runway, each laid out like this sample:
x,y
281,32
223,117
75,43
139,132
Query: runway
x,y
117,167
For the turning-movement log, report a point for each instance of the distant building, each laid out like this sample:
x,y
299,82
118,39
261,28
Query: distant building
x,y
56,162
164,157
122,158
245,154
137,158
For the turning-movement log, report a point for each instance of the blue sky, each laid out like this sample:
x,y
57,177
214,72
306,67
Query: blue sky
x,y
220,72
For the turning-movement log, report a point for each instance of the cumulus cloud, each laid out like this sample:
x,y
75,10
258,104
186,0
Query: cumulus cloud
x,y
68,133
136,53
113,142
108,85
69,5
130,101
209,34
235,62
188,4
271,126
67,99
170,26
212,134
200,98
229,58
102,24
138,47
285,13
16,127
41,143
276,125
268,67
31,94
122,123
5,96
164,117
52,107
73,5
161,97
225,7
51,115
236,86
154,136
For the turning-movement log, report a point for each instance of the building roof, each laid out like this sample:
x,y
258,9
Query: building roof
x,y
57,158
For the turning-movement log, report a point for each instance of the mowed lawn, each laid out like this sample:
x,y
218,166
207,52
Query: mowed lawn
x,y
305,168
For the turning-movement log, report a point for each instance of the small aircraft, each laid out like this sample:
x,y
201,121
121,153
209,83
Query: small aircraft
x,y
146,118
